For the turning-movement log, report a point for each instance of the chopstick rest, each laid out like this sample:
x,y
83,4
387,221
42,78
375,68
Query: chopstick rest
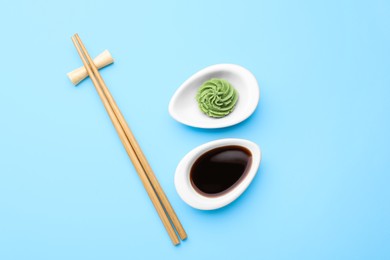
x,y
102,60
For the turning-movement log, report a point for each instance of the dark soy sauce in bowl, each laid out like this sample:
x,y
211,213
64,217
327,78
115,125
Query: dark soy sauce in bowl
x,y
219,170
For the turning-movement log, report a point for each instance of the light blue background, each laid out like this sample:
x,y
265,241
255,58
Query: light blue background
x,y
68,190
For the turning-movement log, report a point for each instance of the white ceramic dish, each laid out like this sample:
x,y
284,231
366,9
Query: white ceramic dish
x,y
194,199
183,106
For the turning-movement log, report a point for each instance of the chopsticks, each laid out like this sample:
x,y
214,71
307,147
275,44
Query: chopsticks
x,y
157,196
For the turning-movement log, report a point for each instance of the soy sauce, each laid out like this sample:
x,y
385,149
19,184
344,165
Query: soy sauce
x,y
218,171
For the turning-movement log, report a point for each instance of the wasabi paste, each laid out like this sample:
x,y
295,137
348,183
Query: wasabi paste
x,y
216,98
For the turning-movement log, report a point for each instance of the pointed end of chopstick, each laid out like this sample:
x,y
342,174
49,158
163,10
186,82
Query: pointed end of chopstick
x,y
183,236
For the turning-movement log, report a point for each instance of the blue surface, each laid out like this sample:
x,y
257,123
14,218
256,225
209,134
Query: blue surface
x,y
68,190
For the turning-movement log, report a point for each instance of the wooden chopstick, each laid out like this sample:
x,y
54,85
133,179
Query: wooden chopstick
x,y
149,172
141,172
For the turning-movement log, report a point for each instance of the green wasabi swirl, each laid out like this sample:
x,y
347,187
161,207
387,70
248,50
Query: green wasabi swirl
x,y
216,97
